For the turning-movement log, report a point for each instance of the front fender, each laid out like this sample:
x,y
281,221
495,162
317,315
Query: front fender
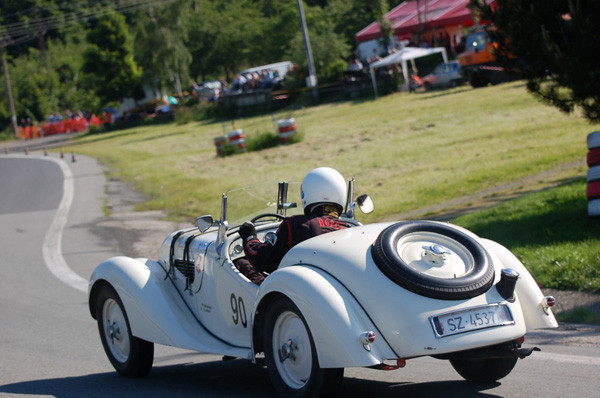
x,y
529,294
154,308
335,318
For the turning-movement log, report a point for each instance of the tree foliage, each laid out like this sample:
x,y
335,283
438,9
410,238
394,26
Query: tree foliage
x,y
559,43
160,45
108,61
85,54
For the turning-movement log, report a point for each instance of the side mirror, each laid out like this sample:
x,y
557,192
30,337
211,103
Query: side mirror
x,y
365,203
203,223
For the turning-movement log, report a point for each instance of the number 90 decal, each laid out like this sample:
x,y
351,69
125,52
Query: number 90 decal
x,y
239,310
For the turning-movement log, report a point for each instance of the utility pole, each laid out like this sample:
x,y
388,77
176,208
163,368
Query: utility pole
x,y
13,114
311,80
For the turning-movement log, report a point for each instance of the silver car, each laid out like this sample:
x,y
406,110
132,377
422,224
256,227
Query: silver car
x,y
446,74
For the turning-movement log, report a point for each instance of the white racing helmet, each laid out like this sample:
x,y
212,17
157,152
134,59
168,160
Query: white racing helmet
x,y
323,185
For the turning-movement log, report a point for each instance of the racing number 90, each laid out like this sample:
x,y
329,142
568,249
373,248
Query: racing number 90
x,y
239,310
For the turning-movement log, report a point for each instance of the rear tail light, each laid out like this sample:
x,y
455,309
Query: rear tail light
x,y
547,302
367,338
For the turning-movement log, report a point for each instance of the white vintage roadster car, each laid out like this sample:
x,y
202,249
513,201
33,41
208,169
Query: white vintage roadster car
x,y
368,296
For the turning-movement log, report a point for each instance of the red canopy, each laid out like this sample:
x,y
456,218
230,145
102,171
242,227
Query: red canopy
x,y
431,13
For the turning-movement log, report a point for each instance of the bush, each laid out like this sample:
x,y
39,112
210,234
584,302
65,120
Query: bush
x,y
196,113
7,134
93,129
262,141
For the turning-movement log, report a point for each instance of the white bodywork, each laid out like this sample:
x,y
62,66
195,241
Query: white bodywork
x,y
332,279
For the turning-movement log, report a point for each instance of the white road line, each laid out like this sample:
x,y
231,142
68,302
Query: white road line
x,y
51,248
566,358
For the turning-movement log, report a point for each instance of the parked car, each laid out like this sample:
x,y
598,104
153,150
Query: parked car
x,y
444,75
372,295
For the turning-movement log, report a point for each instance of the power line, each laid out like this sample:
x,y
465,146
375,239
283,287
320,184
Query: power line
x,y
20,32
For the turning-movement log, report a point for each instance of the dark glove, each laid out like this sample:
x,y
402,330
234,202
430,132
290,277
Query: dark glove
x,y
247,231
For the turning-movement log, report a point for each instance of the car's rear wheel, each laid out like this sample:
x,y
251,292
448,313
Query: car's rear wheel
x,y
129,355
483,370
434,260
291,355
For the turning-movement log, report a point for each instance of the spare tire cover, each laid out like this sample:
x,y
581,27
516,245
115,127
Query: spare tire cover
x,y
433,260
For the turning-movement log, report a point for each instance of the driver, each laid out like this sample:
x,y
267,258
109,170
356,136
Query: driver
x,y
323,198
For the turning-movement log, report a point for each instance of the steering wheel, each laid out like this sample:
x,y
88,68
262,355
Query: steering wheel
x,y
275,215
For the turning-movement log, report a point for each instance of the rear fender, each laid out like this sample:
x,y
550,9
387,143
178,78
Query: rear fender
x,y
529,294
335,318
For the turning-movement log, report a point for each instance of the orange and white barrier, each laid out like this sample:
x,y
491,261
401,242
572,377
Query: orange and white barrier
x,y
220,142
237,138
287,130
66,126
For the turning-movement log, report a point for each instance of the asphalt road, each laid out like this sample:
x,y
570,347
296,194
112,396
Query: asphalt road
x,y
49,344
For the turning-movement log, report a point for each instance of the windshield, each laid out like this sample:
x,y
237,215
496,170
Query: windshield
x,y
247,202
476,41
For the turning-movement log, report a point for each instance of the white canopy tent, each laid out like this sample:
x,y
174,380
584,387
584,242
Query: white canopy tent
x,y
402,57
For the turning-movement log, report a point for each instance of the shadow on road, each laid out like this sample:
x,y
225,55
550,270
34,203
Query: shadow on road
x,y
236,378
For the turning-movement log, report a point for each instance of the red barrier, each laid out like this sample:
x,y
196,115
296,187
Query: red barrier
x,y
593,157
95,121
237,138
220,142
593,190
287,130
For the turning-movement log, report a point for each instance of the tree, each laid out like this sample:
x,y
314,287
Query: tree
x,y
160,45
352,16
109,62
384,24
226,36
330,51
558,42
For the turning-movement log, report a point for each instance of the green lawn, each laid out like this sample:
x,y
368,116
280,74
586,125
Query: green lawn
x,y
550,233
407,150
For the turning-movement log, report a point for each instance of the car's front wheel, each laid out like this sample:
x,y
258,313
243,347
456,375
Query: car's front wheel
x,y
484,370
291,356
129,355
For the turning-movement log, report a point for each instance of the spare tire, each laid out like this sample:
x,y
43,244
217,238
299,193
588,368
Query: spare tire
x,y
433,260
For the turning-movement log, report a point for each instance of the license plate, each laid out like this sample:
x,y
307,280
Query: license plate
x,y
475,318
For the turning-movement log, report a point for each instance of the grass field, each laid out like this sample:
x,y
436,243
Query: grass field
x,y
408,151
550,233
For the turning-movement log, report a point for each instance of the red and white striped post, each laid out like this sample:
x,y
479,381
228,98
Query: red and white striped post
x,y
593,174
287,130
220,142
237,138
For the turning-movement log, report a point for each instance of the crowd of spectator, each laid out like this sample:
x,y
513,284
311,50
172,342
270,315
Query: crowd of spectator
x,y
266,79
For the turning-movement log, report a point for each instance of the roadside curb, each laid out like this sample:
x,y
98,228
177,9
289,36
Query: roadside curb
x,y
37,144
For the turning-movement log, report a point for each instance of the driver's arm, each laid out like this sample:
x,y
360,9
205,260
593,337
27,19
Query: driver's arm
x,y
266,256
